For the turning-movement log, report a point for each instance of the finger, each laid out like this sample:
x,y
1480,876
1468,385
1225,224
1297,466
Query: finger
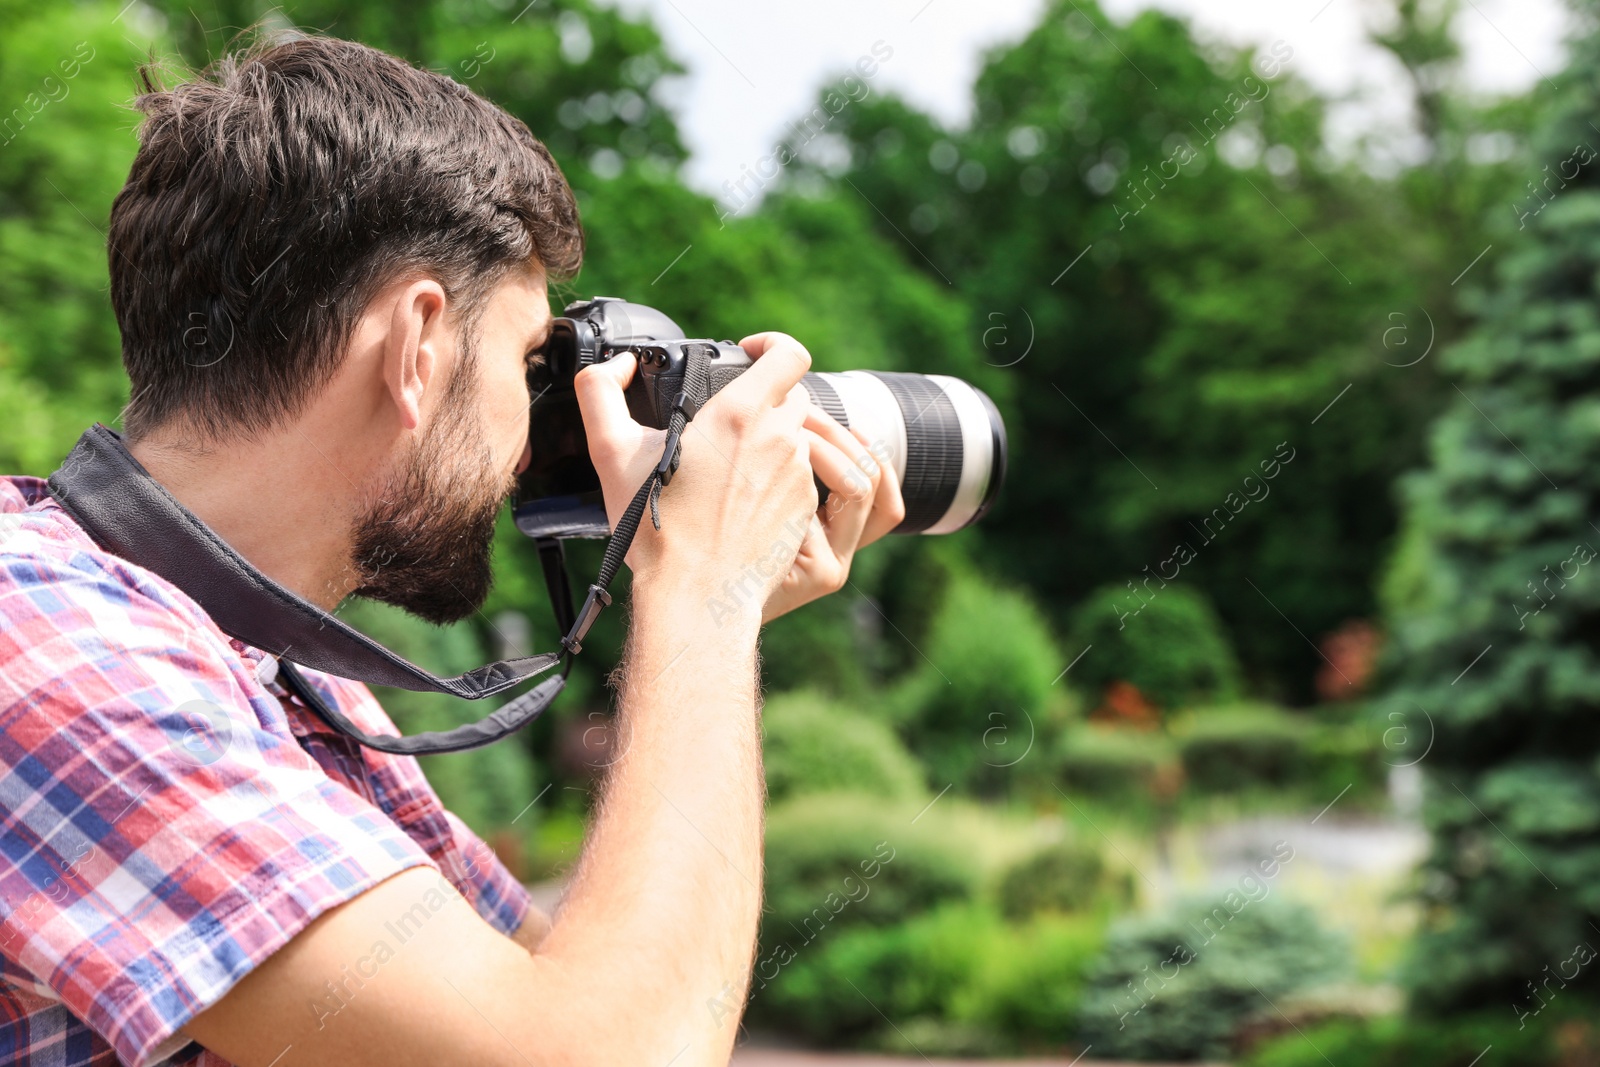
x,y
599,388
836,469
803,583
888,506
796,408
851,443
849,503
780,362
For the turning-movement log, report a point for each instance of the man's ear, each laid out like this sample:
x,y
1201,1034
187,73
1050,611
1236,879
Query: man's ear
x,y
414,347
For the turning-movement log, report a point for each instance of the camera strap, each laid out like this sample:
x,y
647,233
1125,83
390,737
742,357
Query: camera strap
x,y
129,514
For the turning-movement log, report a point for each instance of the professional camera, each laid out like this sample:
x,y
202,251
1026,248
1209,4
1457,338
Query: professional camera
x,y
944,438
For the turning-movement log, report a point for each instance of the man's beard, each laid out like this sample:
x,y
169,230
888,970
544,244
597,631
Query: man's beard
x,y
426,545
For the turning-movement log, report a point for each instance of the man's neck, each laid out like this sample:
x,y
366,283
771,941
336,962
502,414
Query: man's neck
x,y
280,500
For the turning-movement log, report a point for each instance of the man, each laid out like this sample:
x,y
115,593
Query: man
x,y
330,272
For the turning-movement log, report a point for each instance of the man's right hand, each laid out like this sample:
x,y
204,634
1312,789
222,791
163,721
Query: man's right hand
x,y
744,481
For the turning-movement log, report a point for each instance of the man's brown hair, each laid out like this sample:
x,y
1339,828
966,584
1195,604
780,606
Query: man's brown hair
x,y
275,193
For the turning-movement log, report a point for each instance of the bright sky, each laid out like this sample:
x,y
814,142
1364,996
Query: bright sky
x,y
755,66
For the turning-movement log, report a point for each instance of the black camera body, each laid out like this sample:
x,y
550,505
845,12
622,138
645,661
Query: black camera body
x,y
596,330
944,437
559,494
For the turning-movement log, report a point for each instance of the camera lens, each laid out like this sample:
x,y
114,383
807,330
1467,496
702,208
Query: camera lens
x,y
944,438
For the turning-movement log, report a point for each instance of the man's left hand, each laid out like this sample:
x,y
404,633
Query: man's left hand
x,y
863,504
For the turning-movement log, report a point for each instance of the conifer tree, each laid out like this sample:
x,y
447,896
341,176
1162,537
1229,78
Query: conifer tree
x,y
1495,599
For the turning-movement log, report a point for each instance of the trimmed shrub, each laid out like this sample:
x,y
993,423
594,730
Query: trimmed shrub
x,y
840,860
1256,745
1108,761
1069,876
990,662
956,981
814,745
1346,753
1176,985
1172,647
1404,1042
1240,746
832,993
1030,985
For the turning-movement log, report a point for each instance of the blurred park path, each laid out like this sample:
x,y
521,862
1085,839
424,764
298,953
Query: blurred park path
x,y
1352,869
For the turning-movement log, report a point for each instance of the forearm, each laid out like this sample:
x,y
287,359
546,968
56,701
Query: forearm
x,y
664,908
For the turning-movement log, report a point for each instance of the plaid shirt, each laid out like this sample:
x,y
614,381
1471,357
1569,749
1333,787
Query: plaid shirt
x,y
169,815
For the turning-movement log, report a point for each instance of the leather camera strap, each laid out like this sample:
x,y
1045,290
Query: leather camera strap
x,y
129,514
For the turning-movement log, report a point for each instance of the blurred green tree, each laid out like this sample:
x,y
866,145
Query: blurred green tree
x,y
1494,602
1169,277
65,147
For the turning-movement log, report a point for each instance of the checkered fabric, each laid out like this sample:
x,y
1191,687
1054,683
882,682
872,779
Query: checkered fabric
x,y
169,815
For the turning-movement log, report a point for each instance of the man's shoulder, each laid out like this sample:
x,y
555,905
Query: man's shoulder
x,y
49,566
55,581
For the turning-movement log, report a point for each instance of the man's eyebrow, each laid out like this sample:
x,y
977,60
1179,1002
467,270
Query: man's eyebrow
x,y
542,335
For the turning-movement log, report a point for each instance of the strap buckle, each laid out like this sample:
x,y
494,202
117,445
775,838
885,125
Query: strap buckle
x,y
597,599
667,466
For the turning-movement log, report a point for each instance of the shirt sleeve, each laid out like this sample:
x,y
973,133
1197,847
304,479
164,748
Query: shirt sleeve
x,y
161,832
402,790
487,884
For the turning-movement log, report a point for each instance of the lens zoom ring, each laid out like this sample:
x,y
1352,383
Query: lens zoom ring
x,y
825,397
933,449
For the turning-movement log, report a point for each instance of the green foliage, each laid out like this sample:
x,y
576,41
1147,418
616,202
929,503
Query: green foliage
x,y
839,860
544,64
556,846
1227,749
1067,876
1495,605
1400,1042
989,664
1217,308
65,147
822,647
812,745
1258,746
1111,761
956,981
905,969
1172,647
1241,746
1028,987
1354,754
1175,985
